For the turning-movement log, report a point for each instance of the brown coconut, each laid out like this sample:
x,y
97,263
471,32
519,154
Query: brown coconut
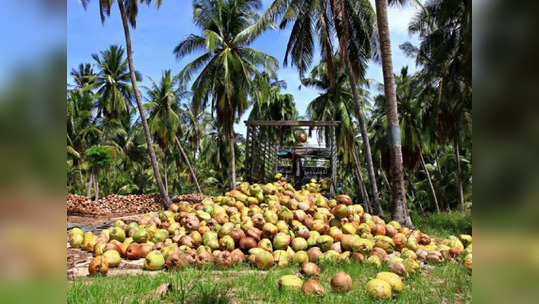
x,y
341,282
311,287
310,270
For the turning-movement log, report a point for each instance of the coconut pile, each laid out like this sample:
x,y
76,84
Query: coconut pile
x,y
273,225
77,204
122,204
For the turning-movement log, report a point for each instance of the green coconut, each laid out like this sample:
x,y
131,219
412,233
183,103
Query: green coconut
x,y
290,281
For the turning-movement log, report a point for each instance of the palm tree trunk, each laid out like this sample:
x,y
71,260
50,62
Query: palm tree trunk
x,y
232,159
165,171
89,188
459,173
365,137
430,182
400,213
343,32
96,186
362,187
195,150
81,178
151,151
184,155
329,51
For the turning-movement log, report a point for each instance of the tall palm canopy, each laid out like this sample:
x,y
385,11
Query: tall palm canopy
x,y
196,121
227,64
164,116
131,8
269,102
415,110
337,104
128,13
163,108
445,30
112,81
352,24
84,76
318,23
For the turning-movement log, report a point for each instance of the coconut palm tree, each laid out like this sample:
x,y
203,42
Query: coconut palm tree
x,y
354,26
128,12
415,126
415,110
84,76
164,108
113,82
444,30
196,121
81,132
400,212
336,103
271,104
227,64
319,22
99,158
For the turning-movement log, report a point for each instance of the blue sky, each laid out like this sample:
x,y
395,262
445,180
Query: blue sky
x,y
25,40
160,30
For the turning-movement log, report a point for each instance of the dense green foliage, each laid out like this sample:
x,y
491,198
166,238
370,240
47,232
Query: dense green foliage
x,y
200,104
99,157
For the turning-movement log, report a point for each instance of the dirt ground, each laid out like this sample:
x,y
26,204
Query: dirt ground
x,y
96,220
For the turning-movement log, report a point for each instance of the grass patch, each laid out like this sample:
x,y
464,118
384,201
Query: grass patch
x,y
443,224
446,283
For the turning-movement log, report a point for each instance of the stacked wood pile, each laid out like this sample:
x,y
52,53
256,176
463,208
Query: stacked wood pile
x,y
122,204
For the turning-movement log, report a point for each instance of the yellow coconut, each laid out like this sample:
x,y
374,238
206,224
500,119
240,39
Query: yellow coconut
x,y
393,279
379,289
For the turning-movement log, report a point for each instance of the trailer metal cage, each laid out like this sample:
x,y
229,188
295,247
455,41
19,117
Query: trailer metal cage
x,y
267,153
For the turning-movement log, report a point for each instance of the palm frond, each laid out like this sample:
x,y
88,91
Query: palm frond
x,y
189,45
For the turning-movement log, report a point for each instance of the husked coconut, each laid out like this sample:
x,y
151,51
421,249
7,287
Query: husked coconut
x,y
341,282
311,287
310,270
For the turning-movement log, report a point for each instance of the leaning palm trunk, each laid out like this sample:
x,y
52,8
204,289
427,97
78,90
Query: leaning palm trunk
x,y
162,190
384,176
165,172
430,182
362,187
400,213
184,155
365,137
459,174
